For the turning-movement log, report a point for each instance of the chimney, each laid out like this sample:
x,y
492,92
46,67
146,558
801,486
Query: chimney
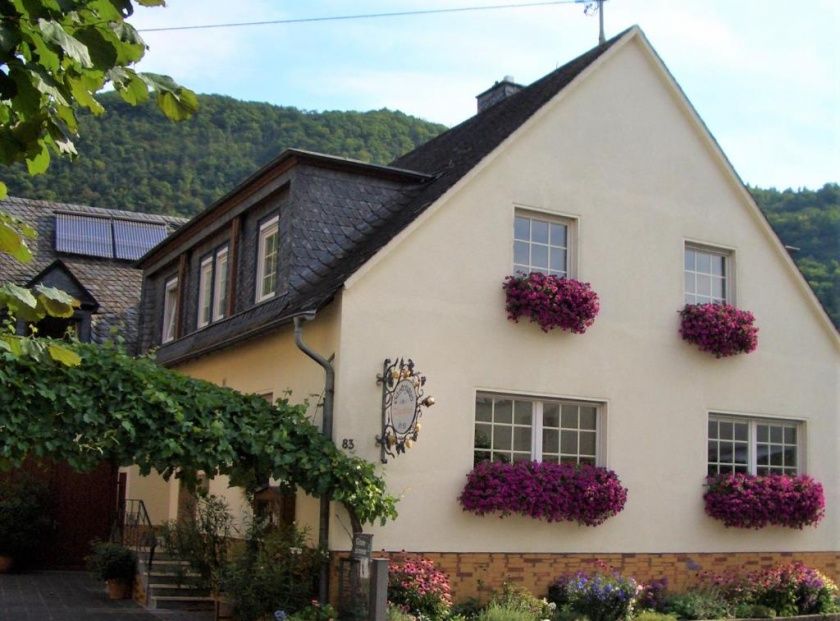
x,y
498,92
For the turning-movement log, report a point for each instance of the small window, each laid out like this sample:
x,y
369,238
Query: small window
x,y
754,446
170,310
708,278
541,244
220,285
212,287
267,260
205,284
512,429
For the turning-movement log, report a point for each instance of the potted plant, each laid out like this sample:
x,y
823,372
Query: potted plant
x,y
24,519
116,565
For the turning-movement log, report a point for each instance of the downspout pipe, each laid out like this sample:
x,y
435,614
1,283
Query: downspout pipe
x,y
326,430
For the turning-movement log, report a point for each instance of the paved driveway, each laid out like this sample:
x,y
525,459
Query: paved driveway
x,y
72,596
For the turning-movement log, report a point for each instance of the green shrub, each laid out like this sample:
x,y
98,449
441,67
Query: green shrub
x,y
468,609
707,604
275,570
315,612
500,612
650,615
112,561
396,614
24,516
513,597
754,611
202,538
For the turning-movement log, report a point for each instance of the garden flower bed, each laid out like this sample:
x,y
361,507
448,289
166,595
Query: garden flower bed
x,y
746,501
551,301
584,494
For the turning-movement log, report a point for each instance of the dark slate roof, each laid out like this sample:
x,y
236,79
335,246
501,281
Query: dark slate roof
x,y
446,158
114,284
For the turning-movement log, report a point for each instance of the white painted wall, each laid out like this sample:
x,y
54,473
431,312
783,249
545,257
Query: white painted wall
x,y
619,152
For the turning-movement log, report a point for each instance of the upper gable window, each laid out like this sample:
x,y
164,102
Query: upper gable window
x,y
708,275
541,244
212,287
170,310
267,259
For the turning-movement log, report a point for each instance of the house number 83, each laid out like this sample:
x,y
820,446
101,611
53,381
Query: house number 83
x,y
348,443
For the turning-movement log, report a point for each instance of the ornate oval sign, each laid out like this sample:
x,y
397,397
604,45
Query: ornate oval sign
x,y
402,403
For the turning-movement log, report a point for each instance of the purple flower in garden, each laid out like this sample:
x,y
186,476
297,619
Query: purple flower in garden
x,y
745,501
554,492
551,301
720,329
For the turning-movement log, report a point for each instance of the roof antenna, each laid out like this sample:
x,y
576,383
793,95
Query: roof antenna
x,y
589,8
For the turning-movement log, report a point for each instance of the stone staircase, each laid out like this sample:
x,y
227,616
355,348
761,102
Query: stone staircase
x,y
173,585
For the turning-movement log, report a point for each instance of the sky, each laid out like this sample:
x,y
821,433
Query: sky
x,y
763,74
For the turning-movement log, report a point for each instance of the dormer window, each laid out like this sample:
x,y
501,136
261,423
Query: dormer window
x,y
170,310
212,287
267,260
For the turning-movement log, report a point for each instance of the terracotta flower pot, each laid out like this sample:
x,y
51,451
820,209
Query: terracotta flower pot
x,y
6,563
118,589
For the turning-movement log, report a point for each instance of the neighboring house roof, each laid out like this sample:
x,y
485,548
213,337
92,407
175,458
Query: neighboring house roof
x,y
114,284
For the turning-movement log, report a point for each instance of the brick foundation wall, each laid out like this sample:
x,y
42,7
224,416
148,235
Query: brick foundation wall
x,y
477,574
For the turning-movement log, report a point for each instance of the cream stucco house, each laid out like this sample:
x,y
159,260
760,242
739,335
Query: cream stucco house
x,y
602,171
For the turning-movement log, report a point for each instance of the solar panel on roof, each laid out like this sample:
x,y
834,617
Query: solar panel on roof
x,y
84,235
134,239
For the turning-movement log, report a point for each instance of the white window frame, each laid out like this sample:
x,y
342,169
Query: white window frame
x,y
728,272
752,438
267,228
221,283
537,422
170,310
205,291
551,218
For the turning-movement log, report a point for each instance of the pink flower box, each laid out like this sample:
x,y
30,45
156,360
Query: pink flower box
x,y
551,301
746,501
720,329
584,494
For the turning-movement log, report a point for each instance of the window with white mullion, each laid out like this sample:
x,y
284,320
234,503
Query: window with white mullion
x,y
205,293
170,310
267,260
540,245
220,284
511,429
754,446
707,277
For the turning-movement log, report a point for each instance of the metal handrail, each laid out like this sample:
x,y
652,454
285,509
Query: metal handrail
x,y
133,529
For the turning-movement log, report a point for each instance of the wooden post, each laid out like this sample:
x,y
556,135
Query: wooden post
x,y
378,607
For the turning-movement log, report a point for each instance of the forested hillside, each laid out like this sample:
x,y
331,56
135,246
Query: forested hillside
x,y
809,220
133,158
